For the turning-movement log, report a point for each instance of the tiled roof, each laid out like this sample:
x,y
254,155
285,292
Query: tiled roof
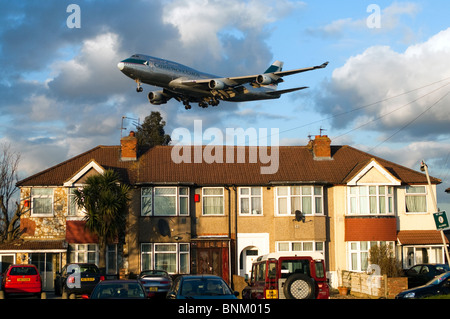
x,y
296,164
418,237
20,245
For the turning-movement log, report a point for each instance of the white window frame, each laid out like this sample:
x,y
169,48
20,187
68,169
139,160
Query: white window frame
x,y
416,194
361,249
76,250
357,196
50,197
211,196
249,197
289,196
182,249
151,196
291,246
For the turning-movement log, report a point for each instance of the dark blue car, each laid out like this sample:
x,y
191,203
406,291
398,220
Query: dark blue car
x,y
200,287
437,286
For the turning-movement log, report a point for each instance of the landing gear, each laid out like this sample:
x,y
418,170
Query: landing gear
x,y
139,88
187,106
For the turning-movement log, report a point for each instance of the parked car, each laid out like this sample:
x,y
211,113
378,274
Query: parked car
x,y
288,276
21,279
156,282
420,274
200,287
118,289
76,279
439,285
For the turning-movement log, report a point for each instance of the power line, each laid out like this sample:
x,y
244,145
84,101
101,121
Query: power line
x,y
412,121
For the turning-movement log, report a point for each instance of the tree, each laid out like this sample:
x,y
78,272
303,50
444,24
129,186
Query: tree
x,y
105,201
151,132
383,256
9,220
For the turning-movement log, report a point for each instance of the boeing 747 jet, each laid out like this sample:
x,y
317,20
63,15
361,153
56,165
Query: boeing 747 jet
x,y
188,85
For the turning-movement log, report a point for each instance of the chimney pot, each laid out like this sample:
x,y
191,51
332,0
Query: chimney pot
x,y
128,147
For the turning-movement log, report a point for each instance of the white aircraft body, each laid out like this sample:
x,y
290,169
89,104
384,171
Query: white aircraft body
x,y
188,85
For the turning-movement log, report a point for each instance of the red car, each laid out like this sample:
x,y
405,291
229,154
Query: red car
x,y
22,279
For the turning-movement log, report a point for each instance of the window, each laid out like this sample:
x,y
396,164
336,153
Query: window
x,y
358,253
42,201
173,258
213,201
250,201
306,199
165,201
416,199
111,259
307,246
371,200
83,253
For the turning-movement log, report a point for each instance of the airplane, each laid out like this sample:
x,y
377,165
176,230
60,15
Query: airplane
x,y
188,85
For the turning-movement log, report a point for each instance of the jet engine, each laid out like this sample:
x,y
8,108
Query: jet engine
x,y
264,79
216,85
157,98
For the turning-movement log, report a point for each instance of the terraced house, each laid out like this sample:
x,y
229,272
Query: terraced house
x,y
218,217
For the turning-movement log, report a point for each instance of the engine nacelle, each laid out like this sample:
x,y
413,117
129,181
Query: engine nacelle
x,y
216,85
157,98
264,79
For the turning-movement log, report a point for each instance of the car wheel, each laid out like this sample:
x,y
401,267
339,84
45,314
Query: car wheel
x,y
299,286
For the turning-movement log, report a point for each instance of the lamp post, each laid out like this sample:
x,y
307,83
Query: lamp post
x,y
424,168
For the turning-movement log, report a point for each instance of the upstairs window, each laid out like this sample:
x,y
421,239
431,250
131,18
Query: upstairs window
x,y
250,201
416,199
42,201
165,201
371,200
213,201
306,199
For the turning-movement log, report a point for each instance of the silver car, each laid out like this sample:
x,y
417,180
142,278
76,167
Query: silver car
x,y
156,282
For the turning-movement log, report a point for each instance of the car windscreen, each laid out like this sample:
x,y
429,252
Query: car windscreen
x,y
23,271
204,287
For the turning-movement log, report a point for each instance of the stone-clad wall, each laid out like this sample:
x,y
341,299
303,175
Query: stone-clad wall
x,y
51,227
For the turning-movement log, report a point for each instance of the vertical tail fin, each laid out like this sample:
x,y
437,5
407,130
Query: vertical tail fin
x,y
276,66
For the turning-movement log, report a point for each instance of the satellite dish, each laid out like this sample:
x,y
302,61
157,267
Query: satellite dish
x,y
299,216
163,227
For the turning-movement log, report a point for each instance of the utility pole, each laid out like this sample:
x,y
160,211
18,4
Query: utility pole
x,y
424,167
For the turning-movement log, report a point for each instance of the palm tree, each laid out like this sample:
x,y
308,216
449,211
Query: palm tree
x,y
105,201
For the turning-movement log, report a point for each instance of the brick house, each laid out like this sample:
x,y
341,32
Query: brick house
x,y
199,217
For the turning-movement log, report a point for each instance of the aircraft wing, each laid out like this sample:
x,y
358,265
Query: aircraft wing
x,y
221,83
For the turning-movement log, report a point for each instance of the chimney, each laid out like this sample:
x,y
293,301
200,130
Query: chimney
x,y
128,147
321,147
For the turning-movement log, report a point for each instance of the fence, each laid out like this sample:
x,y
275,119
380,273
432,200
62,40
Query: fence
x,y
373,286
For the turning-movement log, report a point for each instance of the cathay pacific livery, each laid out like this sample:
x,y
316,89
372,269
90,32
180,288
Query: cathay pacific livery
x,y
188,85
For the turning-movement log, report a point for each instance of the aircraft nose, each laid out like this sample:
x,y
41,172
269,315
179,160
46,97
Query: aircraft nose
x,y
121,65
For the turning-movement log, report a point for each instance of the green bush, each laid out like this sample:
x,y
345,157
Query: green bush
x,y
384,257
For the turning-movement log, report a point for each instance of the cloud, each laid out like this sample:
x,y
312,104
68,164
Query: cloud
x,y
390,19
62,92
388,90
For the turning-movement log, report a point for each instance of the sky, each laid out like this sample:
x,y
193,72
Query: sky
x,y
385,90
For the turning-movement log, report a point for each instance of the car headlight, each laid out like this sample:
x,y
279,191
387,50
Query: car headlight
x,y
410,295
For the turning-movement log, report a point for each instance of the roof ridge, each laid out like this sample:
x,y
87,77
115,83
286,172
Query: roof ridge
x,y
64,162
378,159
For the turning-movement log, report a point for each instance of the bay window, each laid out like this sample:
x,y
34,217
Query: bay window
x,y
171,257
371,200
